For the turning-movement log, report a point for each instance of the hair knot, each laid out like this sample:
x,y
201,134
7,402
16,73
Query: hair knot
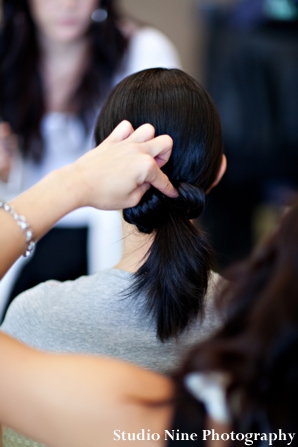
x,y
150,213
190,202
155,208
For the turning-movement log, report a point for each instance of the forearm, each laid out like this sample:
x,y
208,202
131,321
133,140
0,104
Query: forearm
x,y
113,176
42,205
45,398
71,400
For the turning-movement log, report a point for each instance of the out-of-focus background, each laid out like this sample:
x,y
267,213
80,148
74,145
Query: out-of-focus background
x,y
245,52
181,21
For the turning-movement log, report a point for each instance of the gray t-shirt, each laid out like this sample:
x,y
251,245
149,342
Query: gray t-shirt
x,y
91,315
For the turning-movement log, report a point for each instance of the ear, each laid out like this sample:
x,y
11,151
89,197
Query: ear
x,y
221,171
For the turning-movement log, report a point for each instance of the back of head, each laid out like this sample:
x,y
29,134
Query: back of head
x,y
257,347
175,273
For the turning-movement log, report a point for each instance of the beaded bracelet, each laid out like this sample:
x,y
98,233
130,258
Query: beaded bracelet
x,y
22,222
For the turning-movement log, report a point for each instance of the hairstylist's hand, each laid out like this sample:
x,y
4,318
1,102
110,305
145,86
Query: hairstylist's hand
x,y
119,171
114,175
8,145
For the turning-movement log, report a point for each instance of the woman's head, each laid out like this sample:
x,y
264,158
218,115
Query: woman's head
x,y
62,21
177,105
24,22
58,20
258,344
179,260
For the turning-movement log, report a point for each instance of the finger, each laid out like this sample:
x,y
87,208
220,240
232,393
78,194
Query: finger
x,y
143,133
160,148
161,182
121,132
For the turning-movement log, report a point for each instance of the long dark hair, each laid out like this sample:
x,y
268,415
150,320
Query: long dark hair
x,y
175,274
21,94
257,347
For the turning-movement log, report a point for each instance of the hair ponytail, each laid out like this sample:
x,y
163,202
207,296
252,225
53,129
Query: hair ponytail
x,y
175,273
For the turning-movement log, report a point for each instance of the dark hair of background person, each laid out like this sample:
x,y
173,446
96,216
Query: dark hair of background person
x,y
257,347
22,99
251,72
174,275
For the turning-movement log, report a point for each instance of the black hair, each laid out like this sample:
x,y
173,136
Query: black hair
x,y
258,344
175,273
22,95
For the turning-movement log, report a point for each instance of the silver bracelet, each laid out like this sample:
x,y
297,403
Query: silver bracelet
x,y
22,222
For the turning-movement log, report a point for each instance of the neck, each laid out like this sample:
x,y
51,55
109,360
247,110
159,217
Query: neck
x,y
53,50
63,65
135,247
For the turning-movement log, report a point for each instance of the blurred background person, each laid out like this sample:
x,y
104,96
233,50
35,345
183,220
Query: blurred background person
x,y
245,376
58,61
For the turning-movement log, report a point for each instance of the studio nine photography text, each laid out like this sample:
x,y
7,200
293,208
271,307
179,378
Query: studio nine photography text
x,y
212,435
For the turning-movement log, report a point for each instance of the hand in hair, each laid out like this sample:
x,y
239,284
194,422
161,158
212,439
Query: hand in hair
x,y
114,175
8,145
129,173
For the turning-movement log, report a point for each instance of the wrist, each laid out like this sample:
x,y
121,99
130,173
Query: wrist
x,y
66,182
24,226
48,201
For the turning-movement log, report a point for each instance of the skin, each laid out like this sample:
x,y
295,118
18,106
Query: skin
x,y
8,146
62,21
73,400
67,400
76,400
114,175
61,33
